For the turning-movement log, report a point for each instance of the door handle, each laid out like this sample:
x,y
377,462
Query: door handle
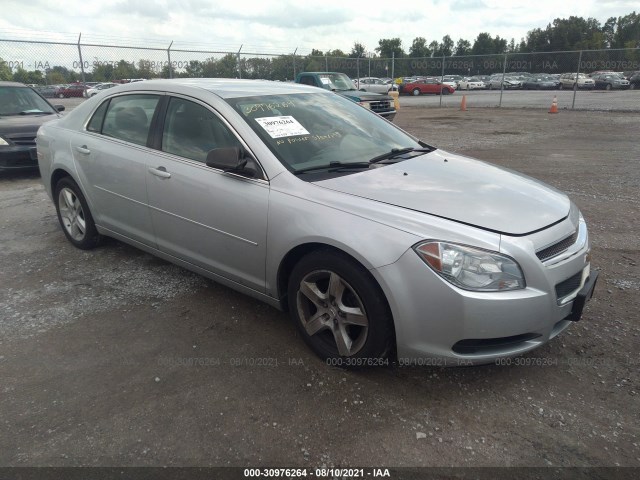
x,y
159,172
83,149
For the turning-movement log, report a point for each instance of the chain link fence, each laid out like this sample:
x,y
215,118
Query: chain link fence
x,y
53,63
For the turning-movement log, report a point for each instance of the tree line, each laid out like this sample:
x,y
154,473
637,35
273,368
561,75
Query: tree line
x,y
563,34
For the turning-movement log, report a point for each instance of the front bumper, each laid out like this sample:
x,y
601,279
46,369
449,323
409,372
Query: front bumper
x,y
439,324
18,157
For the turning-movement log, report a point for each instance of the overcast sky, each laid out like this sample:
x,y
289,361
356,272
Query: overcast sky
x,y
281,26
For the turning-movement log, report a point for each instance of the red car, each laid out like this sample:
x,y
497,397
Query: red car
x,y
428,85
75,90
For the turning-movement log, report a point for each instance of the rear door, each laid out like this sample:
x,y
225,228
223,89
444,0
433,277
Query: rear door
x,y
212,219
111,158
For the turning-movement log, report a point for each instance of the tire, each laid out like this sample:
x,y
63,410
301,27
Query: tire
x,y
632,86
561,86
490,87
446,91
61,95
467,88
339,309
74,215
416,92
607,86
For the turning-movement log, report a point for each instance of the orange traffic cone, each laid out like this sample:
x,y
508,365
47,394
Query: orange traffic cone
x,y
554,105
463,103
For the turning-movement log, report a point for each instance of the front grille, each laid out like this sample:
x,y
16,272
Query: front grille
x,y
380,106
557,248
568,286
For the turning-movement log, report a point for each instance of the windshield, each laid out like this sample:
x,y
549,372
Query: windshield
x,y
22,101
337,81
308,130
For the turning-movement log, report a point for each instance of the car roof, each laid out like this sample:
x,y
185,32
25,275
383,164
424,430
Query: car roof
x,y
223,87
12,84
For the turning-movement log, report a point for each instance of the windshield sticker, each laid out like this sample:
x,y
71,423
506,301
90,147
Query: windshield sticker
x,y
278,127
315,138
325,80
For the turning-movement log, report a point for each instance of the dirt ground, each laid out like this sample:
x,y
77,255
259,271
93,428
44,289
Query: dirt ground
x,y
115,358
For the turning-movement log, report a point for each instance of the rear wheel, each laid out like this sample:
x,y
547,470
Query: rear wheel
x,y
338,308
416,92
61,95
74,215
608,86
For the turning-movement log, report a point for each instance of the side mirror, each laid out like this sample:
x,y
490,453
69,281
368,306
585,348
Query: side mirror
x,y
60,108
227,159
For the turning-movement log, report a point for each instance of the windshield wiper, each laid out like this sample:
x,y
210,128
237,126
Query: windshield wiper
x,y
396,152
333,167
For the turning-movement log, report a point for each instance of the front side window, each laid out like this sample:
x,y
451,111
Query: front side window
x,y
129,117
191,131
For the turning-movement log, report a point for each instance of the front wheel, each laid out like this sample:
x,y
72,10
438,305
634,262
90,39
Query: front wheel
x,y
339,309
608,86
74,215
446,91
61,95
416,92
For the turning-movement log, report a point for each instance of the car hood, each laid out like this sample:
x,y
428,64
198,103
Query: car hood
x,y
358,96
461,189
24,124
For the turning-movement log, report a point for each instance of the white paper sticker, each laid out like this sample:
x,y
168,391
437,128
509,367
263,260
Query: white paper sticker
x,y
325,80
285,126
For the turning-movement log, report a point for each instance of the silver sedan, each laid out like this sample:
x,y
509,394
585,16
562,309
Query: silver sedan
x,y
380,246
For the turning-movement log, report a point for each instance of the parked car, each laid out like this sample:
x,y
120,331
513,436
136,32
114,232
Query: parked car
x,y
375,241
583,82
98,88
452,80
540,82
376,85
429,85
509,83
73,90
634,80
47,91
610,81
22,111
473,83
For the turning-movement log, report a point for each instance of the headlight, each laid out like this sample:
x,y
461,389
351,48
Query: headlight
x,y
471,268
3,142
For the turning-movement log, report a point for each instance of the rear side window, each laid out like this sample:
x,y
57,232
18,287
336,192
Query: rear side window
x,y
129,117
95,124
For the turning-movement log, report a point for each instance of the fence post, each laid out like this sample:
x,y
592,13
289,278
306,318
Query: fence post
x,y
294,64
575,90
81,62
442,79
326,63
358,70
369,65
169,58
393,64
504,70
238,61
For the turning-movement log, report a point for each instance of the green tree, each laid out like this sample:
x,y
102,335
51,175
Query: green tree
x,y
5,71
389,47
463,47
195,69
483,44
358,51
419,48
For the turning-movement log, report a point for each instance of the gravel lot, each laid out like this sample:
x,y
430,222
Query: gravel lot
x,y
113,357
